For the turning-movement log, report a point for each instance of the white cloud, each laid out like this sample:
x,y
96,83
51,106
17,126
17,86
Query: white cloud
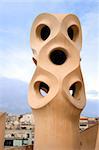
x,y
92,95
90,53
17,64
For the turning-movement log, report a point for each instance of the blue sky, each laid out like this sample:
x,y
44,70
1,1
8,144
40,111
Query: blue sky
x,y
16,17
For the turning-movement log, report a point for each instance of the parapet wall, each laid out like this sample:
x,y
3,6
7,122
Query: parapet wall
x,y
2,129
90,138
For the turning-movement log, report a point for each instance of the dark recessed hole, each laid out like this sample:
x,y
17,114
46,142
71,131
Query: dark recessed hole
x,y
75,89
43,89
58,57
35,61
45,32
72,32
72,90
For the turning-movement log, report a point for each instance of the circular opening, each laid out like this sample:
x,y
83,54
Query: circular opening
x,y
72,32
75,89
43,89
45,32
58,57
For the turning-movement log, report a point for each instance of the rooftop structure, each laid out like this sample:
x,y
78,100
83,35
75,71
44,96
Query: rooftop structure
x,y
56,91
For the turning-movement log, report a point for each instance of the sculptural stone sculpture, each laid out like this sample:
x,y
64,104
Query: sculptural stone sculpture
x,y
56,91
2,129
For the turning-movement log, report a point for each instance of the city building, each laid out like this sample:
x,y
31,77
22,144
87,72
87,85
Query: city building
x,y
19,130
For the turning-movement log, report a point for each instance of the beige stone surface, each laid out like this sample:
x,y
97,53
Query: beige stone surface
x,y
90,138
56,41
2,129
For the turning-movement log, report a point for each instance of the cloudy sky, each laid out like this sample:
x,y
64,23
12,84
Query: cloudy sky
x,y
16,17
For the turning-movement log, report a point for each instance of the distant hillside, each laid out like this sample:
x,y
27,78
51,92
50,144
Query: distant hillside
x,y
13,98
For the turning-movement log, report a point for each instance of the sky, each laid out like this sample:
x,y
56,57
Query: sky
x,y
16,18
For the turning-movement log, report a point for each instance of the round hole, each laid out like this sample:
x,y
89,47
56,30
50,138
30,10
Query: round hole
x,y
42,31
45,32
58,57
72,32
43,89
75,89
